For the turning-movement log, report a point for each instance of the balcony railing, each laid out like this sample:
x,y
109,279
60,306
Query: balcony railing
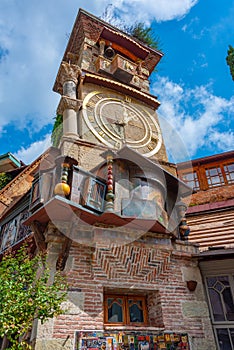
x,y
87,189
141,199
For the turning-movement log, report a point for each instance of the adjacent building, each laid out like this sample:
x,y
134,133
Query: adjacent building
x,y
211,219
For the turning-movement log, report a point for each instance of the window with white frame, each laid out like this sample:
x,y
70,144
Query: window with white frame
x,y
191,179
214,177
229,172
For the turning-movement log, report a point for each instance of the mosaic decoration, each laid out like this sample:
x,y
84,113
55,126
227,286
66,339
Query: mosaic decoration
x,y
114,340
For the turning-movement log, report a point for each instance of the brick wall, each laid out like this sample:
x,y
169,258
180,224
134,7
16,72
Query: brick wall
x,y
140,267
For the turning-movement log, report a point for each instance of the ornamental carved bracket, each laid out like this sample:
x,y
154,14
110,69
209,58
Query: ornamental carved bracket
x,y
38,231
62,258
68,72
68,103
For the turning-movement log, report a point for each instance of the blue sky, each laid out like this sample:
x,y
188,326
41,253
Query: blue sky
x,y
192,82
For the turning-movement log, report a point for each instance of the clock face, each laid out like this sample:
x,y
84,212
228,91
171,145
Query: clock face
x,y
116,120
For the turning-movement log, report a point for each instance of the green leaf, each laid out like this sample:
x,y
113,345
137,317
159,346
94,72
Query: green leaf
x,y
57,130
26,293
230,60
4,179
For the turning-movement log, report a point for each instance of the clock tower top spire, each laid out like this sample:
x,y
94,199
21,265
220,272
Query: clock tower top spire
x,y
98,47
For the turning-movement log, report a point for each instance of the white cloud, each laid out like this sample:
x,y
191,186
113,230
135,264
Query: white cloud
x,y
204,128
194,30
161,10
222,140
33,36
29,154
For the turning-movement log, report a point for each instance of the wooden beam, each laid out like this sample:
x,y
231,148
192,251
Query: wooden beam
x,y
62,258
38,231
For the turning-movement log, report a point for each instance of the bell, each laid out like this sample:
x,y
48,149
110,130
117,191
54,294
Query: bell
x,y
109,52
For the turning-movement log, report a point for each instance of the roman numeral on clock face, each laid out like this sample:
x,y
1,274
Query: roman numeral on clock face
x,y
91,104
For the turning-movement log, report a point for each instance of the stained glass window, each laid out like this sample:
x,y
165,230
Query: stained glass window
x,y
221,298
225,338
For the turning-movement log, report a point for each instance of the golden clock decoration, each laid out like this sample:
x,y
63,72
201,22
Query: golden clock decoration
x,y
116,119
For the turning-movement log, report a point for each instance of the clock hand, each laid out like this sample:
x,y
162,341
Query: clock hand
x,y
132,116
125,116
120,125
128,115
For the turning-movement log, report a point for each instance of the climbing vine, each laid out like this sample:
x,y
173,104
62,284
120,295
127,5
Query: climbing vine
x,y
230,60
57,130
4,179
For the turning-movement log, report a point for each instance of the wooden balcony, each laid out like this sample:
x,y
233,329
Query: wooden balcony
x,y
123,69
142,200
62,211
103,65
120,67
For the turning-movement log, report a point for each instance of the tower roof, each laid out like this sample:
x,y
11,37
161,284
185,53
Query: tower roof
x,y
94,29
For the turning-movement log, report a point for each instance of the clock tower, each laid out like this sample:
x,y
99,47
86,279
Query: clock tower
x,y
105,101
109,210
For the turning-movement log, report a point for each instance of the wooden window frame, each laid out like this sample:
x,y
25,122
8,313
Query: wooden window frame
x,y
126,314
228,178
42,189
195,180
86,191
95,194
202,171
210,176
